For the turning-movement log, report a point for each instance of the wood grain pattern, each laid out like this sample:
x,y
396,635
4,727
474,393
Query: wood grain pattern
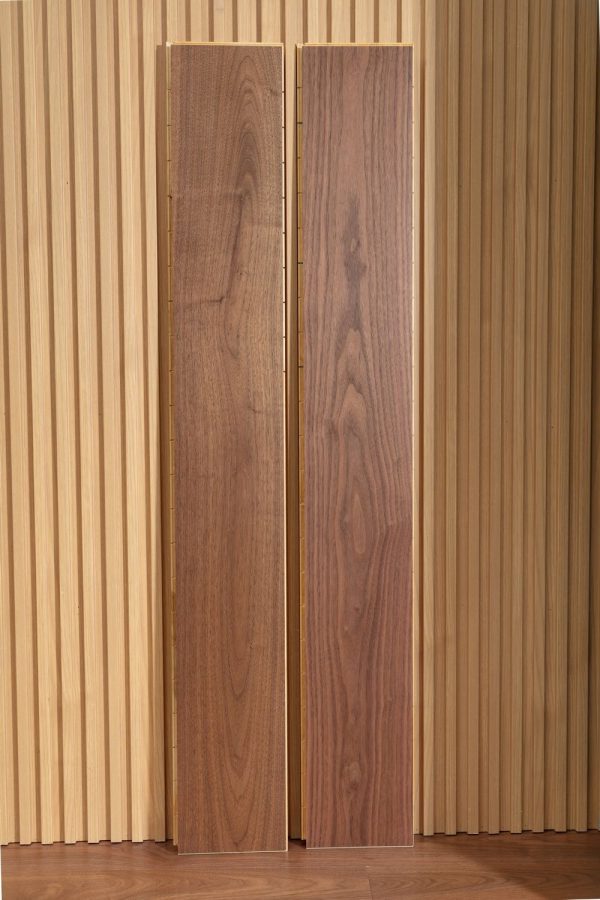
x,y
356,253
38,78
506,243
78,130
524,866
227,290
82,750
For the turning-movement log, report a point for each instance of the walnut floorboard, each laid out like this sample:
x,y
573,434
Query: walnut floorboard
x,y
513,866
356,239
227,293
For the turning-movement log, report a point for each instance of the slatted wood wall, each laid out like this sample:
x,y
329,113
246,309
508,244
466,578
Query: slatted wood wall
x,y
82,736
508,687
79,509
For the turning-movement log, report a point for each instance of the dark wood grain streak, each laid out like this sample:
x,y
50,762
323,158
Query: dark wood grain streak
x,y
227,290
356,165
514,866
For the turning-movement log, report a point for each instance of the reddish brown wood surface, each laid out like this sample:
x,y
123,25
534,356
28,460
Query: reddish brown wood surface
x,y
227,292
356,217
506,866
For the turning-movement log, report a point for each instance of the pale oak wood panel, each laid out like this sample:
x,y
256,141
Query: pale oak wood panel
x,y
85,579
517,636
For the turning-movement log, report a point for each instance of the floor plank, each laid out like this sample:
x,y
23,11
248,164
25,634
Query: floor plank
x,y
356,159
508,866
227,294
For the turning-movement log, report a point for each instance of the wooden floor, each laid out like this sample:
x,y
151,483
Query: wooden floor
x,y
506,866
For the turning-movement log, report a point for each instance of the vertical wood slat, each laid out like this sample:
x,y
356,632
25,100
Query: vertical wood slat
x,y
495,421
69,540
112,411
88,400
9,761
44,447
426,600
559,319
19,423
586,50
593,818
518,250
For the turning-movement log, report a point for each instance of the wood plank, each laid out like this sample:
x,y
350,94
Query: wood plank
x,y
227,286
357,217
506,866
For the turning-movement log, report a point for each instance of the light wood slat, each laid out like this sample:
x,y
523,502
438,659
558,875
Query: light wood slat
x,y
417,36
19,421
112,417
507,411
559,339
439,674
514,804
65,341
462,624
495,400
474,362
364,21
9,822
89,439
341,21
154,775
42,405
222,21
428,24
135,426
451,225
388,21
540,267
199,20
270,18
486,513
586,48
406,16
594,644
245,29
